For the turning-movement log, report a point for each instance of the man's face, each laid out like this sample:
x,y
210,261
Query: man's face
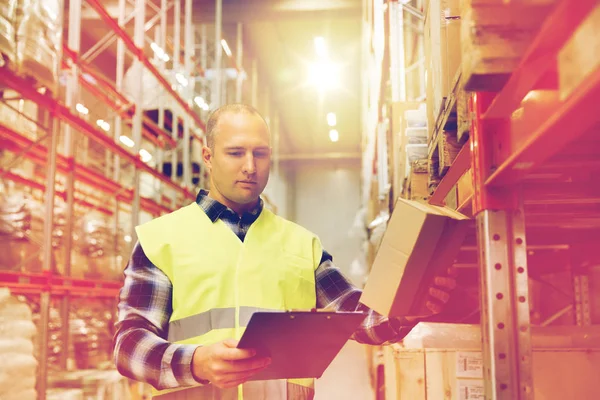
x,y
241,158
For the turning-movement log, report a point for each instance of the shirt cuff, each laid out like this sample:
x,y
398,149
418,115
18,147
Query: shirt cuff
x,y
182,365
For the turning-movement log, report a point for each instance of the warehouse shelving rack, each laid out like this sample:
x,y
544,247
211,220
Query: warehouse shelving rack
x,y
532,186
61,118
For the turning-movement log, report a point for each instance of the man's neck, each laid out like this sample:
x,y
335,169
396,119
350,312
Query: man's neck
x,y
240,209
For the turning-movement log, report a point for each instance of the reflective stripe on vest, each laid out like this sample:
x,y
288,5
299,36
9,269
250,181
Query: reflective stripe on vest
x,y
202,323
218,281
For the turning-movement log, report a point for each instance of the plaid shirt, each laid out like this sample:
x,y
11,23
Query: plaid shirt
x,y
141,349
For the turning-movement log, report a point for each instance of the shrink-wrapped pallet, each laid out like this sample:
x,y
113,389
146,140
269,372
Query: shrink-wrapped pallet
x,y
17,363
22,232
7,31
38,40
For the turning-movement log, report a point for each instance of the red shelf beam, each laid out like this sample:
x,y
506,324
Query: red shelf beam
x,y
139,53
36,283
20,85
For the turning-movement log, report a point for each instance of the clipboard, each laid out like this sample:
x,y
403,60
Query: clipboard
x,y
301,344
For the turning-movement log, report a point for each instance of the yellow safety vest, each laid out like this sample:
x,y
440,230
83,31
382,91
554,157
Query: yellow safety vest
x,y
219,281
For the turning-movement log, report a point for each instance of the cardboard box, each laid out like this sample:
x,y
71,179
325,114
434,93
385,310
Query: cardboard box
x,y
420,241
580,56
443,50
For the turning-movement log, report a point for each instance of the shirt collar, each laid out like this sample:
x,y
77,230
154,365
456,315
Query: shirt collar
x,y
214,210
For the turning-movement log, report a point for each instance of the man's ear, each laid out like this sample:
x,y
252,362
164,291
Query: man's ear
x,y
207,157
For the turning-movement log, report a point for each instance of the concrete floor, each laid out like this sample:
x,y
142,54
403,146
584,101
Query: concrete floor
x,y
347,378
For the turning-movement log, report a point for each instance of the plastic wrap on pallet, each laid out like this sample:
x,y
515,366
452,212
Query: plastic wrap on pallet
x,y
38,41
90,332
22,231
7,31
100,246
17,362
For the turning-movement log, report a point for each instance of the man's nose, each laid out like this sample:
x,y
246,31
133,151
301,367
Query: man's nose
x,y
249,164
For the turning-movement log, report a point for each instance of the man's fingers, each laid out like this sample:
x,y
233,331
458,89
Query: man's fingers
x,y
249,365
237,378
230,352
231,343
439,294
434,307
444,282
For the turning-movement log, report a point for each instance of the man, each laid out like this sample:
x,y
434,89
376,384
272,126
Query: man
x,y
196,275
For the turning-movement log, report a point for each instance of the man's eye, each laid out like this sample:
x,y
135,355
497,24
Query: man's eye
x,y
261,154
236,153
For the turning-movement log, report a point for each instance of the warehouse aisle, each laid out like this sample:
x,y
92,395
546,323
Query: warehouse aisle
x,y
347,377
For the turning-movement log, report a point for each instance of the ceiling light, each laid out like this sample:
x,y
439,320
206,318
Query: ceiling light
x,y
334,135
181,79
127,238
81,109
126,141
160,53
331,120
200,102
103,124
320,47
324,75
145,155
226,47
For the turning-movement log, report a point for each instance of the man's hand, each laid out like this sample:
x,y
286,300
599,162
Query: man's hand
x,y
226,366
439,294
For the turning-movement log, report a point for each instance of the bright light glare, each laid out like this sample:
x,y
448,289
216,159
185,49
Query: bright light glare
x,y
160,53
81,109
324,75
181,79
145,155
320,47
331,119
334,135
103,124
126,141
201,103
226,47
127,238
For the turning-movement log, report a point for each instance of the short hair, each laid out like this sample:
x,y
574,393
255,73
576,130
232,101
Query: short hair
x,y
215,116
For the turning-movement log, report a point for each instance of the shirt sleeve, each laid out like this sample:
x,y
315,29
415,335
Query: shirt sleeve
x,y
141,351
336,292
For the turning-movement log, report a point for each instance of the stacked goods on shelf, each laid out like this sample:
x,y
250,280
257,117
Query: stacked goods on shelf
x,y
38,39
415,148
22,230
442,55
7,31
409,142
90,332
18,251
96,384
100,249
17,362
494,36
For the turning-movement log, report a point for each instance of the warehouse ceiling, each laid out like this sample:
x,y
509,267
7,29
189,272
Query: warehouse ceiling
x,y
280,34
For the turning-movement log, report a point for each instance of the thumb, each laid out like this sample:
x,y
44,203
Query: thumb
x,y
231,343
